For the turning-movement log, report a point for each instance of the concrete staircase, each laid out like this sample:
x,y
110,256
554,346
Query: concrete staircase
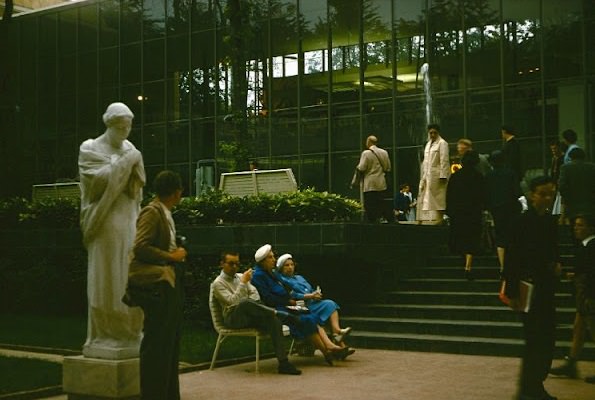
x,y
434,308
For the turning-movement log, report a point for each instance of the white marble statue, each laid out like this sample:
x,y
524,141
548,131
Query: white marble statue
x,y
112,176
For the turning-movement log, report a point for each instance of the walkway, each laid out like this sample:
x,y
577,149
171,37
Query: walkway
x,y
378,375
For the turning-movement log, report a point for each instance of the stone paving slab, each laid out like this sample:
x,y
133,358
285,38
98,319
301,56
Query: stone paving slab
x,y
378,375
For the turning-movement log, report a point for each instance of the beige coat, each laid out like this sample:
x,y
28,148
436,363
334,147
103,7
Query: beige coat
x,y
435,168
373,168
151,248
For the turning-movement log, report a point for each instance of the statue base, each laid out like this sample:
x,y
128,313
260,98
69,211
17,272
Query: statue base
x,y
99,379
110,353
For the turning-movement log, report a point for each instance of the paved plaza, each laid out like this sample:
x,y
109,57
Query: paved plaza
x,y
378,375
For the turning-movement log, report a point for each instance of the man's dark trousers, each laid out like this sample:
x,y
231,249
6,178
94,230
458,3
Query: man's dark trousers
x,y
160,347
252,314
376,207
539,329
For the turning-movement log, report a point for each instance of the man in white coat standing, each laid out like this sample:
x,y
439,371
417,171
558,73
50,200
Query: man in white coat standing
x,y
435,171
373,164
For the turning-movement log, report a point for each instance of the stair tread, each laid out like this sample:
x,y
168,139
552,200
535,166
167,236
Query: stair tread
x,y
454,307
435,292
448,338
433,321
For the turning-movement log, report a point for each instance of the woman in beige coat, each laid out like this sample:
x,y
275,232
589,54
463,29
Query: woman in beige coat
x,y
435,171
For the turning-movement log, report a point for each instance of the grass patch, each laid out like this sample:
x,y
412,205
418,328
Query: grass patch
x,y
43,330
197,343
20,374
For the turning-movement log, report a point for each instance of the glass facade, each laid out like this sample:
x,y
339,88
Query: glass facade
x,y
316,77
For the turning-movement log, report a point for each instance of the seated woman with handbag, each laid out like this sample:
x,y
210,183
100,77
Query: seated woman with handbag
x,y
324,310
274,294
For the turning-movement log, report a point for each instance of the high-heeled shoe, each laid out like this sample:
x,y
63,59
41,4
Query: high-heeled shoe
x,y
328,357
469,275
341,335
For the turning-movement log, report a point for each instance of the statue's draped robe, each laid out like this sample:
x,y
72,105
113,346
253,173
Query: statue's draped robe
x,y
111,191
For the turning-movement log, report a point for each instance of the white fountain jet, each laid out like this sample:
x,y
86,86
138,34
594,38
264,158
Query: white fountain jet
x,y
425,73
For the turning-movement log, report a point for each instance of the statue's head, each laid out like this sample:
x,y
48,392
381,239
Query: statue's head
x,y
118,119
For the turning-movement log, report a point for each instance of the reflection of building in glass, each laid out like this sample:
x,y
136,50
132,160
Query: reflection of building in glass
x,y
320,76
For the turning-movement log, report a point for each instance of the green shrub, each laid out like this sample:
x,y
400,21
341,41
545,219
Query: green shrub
x,y
52,213
301,206
11,211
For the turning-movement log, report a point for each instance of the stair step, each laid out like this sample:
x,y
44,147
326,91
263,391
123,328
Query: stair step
x,y
500,313
460,285
492,329
454,344
459,298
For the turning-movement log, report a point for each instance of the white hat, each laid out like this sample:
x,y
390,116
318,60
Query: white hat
x,y
262,252
281,260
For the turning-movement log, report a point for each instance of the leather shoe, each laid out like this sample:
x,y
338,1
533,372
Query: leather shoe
x,y
287,368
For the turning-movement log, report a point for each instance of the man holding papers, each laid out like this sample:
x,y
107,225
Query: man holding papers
x,y
532,259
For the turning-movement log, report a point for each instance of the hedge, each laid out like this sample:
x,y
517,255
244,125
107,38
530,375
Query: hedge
x,y
214,207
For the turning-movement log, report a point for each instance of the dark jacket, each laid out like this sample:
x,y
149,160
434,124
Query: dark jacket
x,y
465,193
502,189
532,253
585,277
511,152
577,187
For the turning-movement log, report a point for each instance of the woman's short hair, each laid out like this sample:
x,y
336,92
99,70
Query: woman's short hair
x,y
167,183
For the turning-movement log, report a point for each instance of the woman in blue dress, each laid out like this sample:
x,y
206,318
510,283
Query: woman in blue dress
x,y
324,310
274,294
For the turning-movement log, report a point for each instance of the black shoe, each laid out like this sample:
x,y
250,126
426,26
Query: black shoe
x,y
567,369
469,275
590,379
547,396
344,353
287,368
328,357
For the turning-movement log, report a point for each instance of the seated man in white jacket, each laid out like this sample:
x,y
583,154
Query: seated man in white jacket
x,y
242,308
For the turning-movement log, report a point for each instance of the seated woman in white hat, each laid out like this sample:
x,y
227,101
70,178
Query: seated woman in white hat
x,y
325,310
274,294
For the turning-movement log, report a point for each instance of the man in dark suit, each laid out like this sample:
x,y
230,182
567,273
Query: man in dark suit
x,y
511,151
577,185
584,280
154,284
532,256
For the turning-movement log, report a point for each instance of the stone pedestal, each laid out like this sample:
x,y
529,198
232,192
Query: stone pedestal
x,y
86,378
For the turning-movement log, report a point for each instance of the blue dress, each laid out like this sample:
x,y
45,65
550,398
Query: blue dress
x,y
321,309
273,294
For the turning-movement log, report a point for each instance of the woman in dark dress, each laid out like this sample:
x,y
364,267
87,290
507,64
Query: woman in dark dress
x,y
464,206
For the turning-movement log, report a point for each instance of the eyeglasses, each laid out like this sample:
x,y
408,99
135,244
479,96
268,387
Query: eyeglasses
x,y
233,263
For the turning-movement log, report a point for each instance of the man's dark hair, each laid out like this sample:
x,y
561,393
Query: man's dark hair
x,y
434,126
570,136
577,154
508,129
167,183
540,181
226,253
403,185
